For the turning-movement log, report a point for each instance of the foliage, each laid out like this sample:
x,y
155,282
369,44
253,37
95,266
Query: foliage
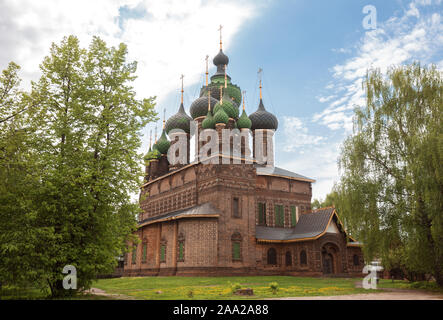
x,y
74,167
392,171
234,287
274,287
151,155
331,200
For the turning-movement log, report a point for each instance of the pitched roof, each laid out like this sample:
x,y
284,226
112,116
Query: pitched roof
x,y
205,210
309,226
276,171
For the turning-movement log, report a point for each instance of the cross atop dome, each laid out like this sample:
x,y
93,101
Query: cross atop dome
x,y
221,43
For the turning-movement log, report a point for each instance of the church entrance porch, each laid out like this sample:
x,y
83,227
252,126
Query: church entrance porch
x,y
329,255
328,264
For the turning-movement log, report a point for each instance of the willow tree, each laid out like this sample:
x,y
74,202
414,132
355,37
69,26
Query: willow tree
x,y
392,170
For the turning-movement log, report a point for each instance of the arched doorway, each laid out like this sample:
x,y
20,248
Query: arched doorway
x,y
329,254
328,263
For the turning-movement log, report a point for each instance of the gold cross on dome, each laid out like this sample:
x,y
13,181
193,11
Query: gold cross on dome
x,y
181,77
260,74
207,69
220,29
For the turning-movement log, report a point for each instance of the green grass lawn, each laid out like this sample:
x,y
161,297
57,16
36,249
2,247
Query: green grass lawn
x,y
402,284
222,287
216,288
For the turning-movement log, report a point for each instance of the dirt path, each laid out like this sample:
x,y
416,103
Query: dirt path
x,y
386,294
100,292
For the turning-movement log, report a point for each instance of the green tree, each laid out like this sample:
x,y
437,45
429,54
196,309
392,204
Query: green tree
x,y
330,200
87,123
18,179
391,187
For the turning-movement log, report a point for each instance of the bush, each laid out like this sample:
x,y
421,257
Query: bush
x,y
424,285
274,287
235,287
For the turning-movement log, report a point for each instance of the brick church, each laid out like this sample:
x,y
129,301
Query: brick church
x,y
238,215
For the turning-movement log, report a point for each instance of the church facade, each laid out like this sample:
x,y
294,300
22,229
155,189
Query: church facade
x,y
238,215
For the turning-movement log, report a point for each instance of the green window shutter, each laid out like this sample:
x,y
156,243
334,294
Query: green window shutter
x,y
236,250
145,251
162,253
134,255
180,251
279,216
276,214
282,216
293,217
260,214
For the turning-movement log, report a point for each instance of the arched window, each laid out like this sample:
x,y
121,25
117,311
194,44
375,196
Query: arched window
x,y
272,256
303,258
356,260
288,258
236,246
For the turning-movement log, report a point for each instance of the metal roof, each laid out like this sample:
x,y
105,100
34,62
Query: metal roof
x,y
276,171
310,225
203,210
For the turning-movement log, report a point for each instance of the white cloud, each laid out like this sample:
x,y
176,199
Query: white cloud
x,y
320,163
297,134
168,38
416,34
399,40
326,99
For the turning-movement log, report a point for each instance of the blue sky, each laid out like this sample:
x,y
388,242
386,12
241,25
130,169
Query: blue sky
x,y
313,53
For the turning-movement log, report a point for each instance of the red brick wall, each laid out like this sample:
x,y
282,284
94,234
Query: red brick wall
x,y
208,241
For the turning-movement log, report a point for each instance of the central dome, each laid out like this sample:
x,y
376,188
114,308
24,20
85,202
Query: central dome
x,y
220,59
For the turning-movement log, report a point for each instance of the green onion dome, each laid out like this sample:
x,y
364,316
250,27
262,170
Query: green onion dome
x,y
154,146
228,106
262,119
163,143
199,107
220,116
180,120
234,103
234,93
209,122
244,122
